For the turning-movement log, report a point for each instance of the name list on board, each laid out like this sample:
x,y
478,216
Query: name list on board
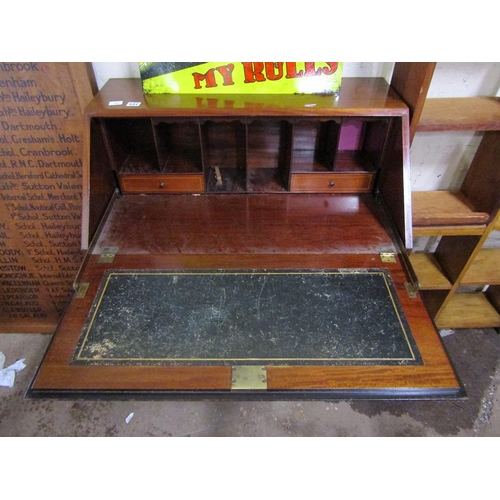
x,y
41,150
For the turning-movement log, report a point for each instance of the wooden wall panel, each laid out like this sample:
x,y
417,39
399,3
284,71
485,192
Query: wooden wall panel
x,y
41,166
412,81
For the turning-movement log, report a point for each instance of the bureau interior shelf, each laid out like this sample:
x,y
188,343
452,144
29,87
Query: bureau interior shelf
x,y
267,152
141,162
178,147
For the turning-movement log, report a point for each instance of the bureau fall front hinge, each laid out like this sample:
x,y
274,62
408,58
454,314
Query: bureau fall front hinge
x,y
388,257
81,290
248,377
411,289
107,255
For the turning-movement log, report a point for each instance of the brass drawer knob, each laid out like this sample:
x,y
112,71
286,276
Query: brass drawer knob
x,y
162,184
331,184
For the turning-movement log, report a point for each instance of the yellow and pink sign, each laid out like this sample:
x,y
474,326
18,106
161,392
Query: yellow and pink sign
x,y
241,77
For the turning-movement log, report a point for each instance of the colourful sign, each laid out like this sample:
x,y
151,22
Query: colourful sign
x,y
241,77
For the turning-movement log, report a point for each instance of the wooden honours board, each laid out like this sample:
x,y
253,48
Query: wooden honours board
x,y
41,165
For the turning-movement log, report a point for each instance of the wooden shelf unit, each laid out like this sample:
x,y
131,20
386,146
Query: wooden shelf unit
x,y
462,219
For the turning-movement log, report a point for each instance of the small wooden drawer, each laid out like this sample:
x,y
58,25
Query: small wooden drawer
x,y
332,183
157,184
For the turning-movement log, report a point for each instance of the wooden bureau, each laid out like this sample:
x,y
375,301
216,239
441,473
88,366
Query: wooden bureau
x,y
253,187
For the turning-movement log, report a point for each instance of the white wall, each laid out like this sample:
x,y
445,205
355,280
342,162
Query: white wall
x,y
462,79
103,71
